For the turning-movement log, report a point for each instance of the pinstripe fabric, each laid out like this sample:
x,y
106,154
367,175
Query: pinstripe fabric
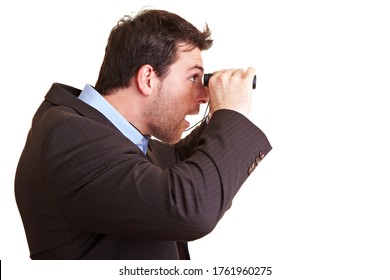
x,y
84,191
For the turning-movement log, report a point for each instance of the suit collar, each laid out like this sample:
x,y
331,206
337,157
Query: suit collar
x,y
64,95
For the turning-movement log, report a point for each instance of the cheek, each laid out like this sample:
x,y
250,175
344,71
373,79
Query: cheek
x,y
178,100
171,110
182,102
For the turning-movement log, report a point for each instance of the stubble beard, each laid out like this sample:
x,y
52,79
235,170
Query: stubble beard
x,y
164,121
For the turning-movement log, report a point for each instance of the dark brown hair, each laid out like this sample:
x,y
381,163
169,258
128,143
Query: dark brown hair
x,y
151,37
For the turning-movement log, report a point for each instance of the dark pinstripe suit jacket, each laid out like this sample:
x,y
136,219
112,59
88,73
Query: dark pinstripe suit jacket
x,y
84,191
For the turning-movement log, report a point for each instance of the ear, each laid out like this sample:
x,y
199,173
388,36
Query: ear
x,y
145,78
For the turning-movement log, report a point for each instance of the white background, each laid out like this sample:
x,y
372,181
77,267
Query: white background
x,y
317,207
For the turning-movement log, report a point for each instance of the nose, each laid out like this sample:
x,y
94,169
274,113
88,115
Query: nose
x,y
202,95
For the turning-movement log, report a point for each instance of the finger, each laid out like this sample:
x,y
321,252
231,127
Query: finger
x,y
250,76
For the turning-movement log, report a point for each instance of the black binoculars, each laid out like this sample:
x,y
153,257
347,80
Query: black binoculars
x,y
206,78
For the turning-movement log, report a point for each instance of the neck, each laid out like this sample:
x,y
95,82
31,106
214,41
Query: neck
x,y
122,100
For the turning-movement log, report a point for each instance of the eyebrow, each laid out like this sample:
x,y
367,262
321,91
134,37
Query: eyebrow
x,y
196,67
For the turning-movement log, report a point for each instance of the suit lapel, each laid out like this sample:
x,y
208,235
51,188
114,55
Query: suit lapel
x,y
152,157
182,247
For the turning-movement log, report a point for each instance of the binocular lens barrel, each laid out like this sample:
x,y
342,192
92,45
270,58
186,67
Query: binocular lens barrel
x,y
206,78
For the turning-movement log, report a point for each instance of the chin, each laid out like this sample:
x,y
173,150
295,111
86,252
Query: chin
x,y
169,135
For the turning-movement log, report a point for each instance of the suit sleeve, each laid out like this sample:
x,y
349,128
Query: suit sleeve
x,y
103,183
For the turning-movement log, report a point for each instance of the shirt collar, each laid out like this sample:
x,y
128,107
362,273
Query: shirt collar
x,y
93,98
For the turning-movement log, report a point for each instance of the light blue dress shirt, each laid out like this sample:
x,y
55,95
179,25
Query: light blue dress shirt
x,y
90,96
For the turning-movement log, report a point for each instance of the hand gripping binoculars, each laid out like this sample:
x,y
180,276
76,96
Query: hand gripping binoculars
x,y
206,78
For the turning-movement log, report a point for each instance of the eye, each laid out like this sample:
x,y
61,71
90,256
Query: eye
x,y
194,78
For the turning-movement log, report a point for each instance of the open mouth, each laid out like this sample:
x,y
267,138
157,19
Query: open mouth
x,y
192,116
187,123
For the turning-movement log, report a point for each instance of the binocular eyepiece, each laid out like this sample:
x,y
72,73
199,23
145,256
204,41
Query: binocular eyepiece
x,y
206,78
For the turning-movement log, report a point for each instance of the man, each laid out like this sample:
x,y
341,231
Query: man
x,y
92,184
